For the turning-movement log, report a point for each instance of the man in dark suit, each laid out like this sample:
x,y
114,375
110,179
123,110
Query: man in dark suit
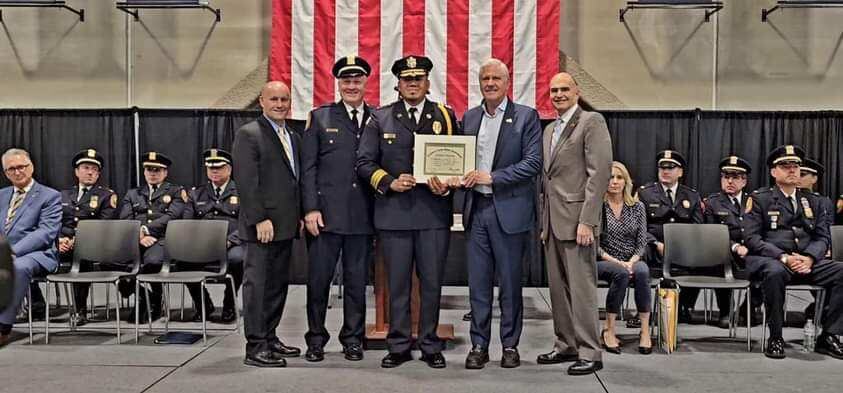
x,y
787,243
86,200
266,166
577,153
668,201
154,204
413,222
499,210
218,199
338,211
31,214
727,207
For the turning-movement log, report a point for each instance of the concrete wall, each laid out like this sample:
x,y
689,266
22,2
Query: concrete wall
x,y
657,59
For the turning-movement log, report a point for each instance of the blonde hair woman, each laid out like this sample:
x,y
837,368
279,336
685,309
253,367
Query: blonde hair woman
x,y
622,245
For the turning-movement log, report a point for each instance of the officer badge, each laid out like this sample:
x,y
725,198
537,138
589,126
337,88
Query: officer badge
x,y
167,199
748,205
113,201
686,203
437,127
94,202
411,62
184,195
233,200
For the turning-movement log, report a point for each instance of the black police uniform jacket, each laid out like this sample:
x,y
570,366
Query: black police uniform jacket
x,y
386,151
167,203
329,180
202,204
719,209
687,208
772,227
99,203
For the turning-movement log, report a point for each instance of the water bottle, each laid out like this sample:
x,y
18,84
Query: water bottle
x,y
808,343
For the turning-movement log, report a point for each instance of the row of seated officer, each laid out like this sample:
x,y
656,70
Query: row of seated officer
x,y
154,205
779,235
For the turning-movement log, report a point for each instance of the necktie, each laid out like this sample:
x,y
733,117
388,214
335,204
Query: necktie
x,y
151,193
557,132
16,202
793,203
217,193
288,150
669,193
84,191
736,203
354,120
413,115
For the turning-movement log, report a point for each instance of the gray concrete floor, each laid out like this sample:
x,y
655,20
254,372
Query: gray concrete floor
x,y
706,361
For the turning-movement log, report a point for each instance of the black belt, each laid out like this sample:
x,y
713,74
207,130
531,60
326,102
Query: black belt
x,y
481,194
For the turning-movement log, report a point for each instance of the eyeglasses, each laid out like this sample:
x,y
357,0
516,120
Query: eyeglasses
x,y
14,169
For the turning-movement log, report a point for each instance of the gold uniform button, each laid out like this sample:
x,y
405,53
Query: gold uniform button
x,y
77,209
149,211
354,185
75,218
148,220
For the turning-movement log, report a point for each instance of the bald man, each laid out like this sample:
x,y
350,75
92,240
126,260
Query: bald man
x,y
266,166
577,167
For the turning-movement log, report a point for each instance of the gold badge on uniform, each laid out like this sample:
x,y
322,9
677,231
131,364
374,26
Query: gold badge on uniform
x,y
748,205
94,202
806,208
167,199
332,130
113,201
233,200
686,203
437,127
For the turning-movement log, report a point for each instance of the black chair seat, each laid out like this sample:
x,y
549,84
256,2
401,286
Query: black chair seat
x,y
710,282
89,277
179,277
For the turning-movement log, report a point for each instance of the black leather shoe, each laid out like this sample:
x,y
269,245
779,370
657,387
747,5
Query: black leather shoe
x,y
585,367
554,357
264,359
477,358
284,351
830,345
775,348
197,316
754,315
467,316
314,354
510,358
353,352
434,360
228,315
392,360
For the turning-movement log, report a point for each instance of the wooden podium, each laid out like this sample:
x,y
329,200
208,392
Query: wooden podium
x,y
377,332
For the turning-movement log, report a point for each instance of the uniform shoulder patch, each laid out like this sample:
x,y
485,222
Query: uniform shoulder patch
x,y
748,205
113,201
840,205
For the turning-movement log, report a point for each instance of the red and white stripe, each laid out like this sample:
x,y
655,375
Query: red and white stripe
x,y
457,35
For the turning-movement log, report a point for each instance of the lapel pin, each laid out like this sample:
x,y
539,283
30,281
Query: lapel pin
x,y
509,120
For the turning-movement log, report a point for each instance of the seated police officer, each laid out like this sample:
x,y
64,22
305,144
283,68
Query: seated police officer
x,y
727,207
667,202
86,200
154,204
787,243
218,200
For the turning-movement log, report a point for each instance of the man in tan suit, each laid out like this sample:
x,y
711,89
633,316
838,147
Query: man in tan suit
x,y
577,167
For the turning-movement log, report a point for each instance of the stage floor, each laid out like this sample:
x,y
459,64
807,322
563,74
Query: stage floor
x,y
705,362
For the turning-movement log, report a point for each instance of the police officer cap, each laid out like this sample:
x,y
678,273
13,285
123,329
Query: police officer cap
x,y
734,164
215,158
784,154
412,66
670,159
351,66
812,166
89,156
156,160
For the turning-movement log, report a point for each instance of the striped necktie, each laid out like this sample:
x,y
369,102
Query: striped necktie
x,y
13,208
288,150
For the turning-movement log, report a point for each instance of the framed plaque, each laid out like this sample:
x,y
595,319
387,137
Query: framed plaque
x,y
443,156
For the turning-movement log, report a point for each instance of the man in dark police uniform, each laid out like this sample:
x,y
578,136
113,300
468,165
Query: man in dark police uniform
x,y
413,221
338,211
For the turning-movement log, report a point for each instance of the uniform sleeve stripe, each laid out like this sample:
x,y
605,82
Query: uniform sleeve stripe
x,y
447,118
376,177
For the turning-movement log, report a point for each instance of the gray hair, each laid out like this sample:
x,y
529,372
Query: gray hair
x,y
493,62
14,152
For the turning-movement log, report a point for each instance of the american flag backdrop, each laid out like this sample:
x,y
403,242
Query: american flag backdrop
x,y
457,35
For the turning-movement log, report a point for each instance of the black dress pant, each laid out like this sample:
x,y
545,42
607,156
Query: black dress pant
x,y
323,251
235,268
266,276
775,276
426,249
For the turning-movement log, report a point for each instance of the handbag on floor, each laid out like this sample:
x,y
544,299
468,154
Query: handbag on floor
x,y
668,314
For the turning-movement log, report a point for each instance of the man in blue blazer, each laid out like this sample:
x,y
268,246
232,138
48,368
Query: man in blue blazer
x,y
31,216
499,210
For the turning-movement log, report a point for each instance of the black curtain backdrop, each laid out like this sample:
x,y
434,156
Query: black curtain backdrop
x,y
53,136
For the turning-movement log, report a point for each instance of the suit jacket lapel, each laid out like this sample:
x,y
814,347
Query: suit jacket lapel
x,y
570,126
27,200
506,127
269,133
547,136
5,201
